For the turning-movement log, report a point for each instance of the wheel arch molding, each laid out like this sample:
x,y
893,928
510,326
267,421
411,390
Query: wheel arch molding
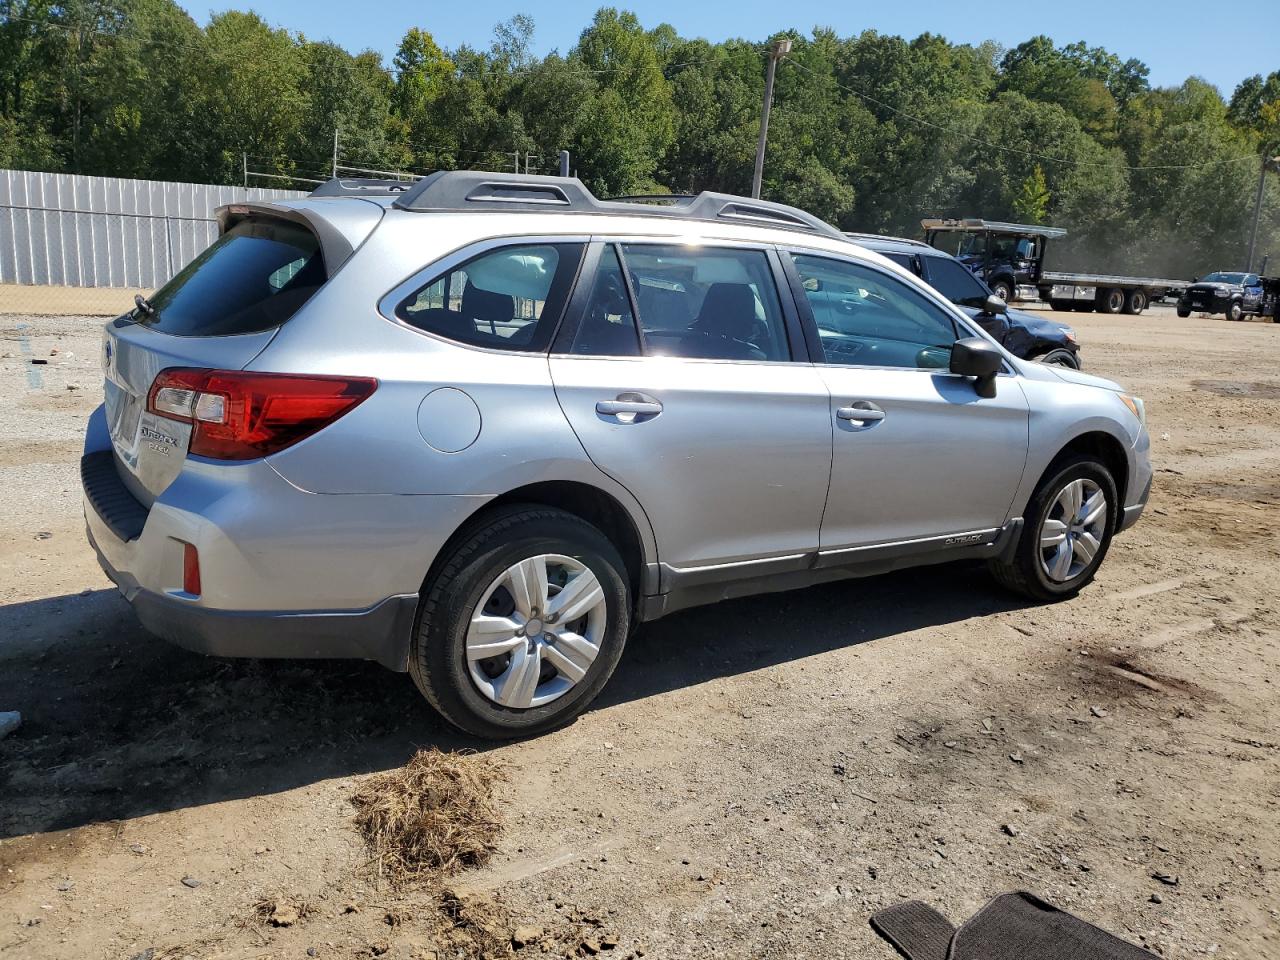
x,y
624,524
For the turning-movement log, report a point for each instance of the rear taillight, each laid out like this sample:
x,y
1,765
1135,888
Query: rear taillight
x,y
238,415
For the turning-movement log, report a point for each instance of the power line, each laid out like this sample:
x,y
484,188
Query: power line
x,y
1000,146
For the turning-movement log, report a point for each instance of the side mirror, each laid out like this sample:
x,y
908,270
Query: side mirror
x,y
975,357
994,306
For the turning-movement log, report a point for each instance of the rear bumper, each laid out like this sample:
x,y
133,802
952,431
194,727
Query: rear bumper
x,y
380,633
284,573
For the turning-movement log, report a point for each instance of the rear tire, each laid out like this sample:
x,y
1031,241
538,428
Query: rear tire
x,y
1063,305
1135,302
568,663
1030,571
1059,357
1111,300
1235,311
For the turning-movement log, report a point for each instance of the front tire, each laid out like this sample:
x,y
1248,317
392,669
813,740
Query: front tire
x,y
1059,357
1004,290
1069,524
1184,312
523,624
1235,311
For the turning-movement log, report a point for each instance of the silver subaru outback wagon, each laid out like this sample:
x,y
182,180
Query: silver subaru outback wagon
x,y
479,427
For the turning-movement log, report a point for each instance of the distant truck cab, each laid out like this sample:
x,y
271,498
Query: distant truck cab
x,y
1010,257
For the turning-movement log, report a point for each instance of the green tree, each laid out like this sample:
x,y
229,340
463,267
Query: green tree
x,y
1031,205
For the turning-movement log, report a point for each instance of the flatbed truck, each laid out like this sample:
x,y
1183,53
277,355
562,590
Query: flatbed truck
x,y
1010,257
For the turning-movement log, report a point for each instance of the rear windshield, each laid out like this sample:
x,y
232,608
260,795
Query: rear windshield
x,y
254,277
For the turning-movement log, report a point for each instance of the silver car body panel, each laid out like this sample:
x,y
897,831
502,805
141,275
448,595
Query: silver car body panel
x,y
747,480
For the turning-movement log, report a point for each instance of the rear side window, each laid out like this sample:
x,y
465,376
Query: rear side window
x,y
905,261
505,299
254,277
953,281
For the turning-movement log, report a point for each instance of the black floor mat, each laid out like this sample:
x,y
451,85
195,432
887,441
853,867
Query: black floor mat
x,y
1013,926
916,930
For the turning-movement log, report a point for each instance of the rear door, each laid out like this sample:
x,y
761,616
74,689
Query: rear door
x,y
219,312
682,373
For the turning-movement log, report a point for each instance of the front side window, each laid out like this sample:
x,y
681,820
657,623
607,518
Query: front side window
x,y
869,318
252,278
706,302
506,299
955,283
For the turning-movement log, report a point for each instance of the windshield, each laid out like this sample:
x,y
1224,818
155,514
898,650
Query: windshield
x,y
1224,278
254,277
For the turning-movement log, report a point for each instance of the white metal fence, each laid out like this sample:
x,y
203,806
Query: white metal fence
x,y
70,230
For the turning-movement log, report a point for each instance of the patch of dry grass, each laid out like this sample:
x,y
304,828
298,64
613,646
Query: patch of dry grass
x,y
430,818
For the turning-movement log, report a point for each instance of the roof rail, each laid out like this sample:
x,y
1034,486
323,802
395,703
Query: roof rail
x,y
853,235
361,187
455,190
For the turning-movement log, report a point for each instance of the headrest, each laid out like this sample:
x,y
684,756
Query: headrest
x,y
480,304
728,310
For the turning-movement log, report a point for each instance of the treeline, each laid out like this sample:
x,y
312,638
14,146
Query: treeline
x,y
871,132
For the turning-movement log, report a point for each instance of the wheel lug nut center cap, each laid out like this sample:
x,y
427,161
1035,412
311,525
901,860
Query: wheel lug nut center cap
x,y
533,628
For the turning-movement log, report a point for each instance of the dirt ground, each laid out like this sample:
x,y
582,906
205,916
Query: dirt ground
x,y
756,780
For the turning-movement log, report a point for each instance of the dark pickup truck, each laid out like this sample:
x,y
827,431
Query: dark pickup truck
x,y
1234,295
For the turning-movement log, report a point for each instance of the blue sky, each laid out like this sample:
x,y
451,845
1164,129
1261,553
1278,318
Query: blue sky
x,y
1223,42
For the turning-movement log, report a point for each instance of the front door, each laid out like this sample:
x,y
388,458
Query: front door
x,y
675,369
918,455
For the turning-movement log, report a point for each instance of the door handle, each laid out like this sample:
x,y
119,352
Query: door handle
x,y
611,408
861,413
629,408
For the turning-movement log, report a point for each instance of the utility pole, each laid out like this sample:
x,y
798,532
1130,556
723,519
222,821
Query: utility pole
x,y
1268,163
244,165
564,163
779,50
335,153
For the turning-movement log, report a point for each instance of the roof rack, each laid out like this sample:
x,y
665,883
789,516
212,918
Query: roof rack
x,y
880,236
455,190
362,187
976,224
